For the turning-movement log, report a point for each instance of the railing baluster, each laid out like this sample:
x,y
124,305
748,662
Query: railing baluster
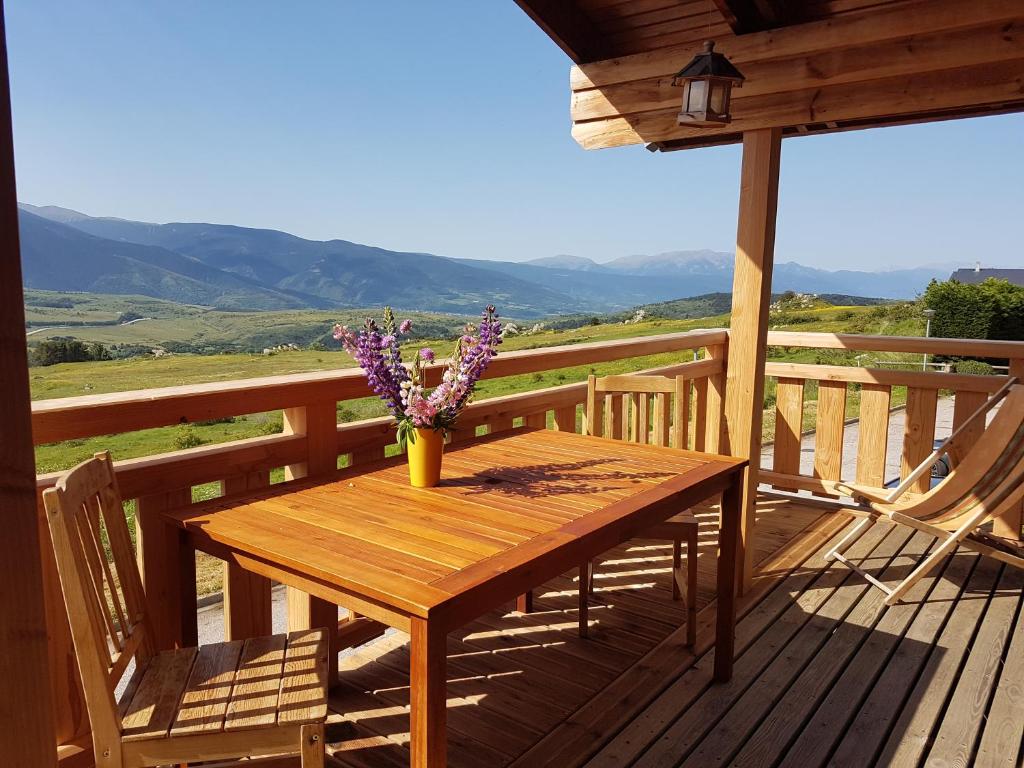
x,y
681,417
873,434
536,420
715,400
565,419
789,415
919,433
700,413
828,436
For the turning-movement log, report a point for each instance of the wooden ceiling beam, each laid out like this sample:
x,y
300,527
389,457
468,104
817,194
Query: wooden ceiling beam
x,y
746,16
964,90
571,29
888,23
912,55
918,61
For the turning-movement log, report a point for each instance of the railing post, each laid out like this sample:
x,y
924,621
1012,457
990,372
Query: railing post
x,y
319,423
748,334
715,399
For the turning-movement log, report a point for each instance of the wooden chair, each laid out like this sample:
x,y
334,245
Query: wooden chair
x,y
986,484
640,409
259,697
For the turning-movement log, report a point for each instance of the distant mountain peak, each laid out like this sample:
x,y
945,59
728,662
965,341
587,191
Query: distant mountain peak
x,y
565,261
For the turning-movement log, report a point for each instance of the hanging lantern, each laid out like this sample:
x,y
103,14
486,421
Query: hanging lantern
x,y
707,82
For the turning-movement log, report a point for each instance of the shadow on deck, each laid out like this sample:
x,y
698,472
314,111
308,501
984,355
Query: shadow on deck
x,y
824,674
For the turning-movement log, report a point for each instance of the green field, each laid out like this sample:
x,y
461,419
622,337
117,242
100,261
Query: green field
x,y
72,379
165,324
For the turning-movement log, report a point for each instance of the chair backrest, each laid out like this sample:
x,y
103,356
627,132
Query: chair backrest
x,y
988,474
639,409
103,592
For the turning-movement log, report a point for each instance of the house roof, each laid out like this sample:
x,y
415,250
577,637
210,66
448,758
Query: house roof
x,y
973,276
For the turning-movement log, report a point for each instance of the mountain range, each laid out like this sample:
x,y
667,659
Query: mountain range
x,y
232,267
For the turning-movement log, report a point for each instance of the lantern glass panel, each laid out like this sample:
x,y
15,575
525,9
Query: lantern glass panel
x,y
696,94
719,105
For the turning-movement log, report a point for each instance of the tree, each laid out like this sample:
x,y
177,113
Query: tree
x,y
993,309
54,351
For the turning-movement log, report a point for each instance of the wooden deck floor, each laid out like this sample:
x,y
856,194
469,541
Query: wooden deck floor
x,y
825,674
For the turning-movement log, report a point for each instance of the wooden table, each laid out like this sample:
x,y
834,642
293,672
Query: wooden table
x,y
512,511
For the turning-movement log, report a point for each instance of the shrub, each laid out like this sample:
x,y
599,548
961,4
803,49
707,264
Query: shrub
x,y
187,437
974,367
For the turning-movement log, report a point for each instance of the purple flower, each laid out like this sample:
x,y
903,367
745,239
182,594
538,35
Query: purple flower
x,y
379,355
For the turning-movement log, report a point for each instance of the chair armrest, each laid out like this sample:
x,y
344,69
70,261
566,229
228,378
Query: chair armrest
x,y
864,493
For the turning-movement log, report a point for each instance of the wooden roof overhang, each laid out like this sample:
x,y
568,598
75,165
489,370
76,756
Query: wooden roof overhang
x,y
812,66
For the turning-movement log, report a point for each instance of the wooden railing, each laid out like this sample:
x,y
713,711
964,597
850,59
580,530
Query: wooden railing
x,y
875,388
311,444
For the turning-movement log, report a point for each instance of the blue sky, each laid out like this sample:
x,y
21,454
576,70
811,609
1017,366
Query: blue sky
x,y
443,126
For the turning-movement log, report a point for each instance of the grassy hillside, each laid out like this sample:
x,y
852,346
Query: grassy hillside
x,y
192,328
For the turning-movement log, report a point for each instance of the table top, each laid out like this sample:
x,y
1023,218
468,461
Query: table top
x,y
512,510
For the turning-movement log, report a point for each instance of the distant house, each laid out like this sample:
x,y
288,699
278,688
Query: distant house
x,y
980,274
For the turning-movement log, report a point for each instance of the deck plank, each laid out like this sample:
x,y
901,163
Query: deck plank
x,y
909,738
854,718
868,621
734,728
965,713
846,677
1004,725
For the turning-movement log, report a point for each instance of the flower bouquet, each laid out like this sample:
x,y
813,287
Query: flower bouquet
x,y
423,417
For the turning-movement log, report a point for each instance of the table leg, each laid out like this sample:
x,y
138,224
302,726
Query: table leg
x,y
307,611
524,603
427,695
728,571
584,595
167,567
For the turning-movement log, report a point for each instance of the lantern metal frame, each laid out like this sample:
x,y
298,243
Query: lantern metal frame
x,y
707,83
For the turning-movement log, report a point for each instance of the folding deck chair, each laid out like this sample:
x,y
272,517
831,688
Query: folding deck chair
x,y
986,484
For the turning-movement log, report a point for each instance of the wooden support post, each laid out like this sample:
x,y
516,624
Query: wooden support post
x,y
751,295
1011,525
27,736
319,422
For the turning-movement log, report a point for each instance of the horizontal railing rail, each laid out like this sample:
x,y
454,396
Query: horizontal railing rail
x,y
90,415
910,344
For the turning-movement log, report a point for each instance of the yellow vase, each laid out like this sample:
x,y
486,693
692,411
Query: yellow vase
x,y
425,458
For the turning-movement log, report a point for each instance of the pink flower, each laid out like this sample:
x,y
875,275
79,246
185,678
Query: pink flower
x,y
405,327
427,355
